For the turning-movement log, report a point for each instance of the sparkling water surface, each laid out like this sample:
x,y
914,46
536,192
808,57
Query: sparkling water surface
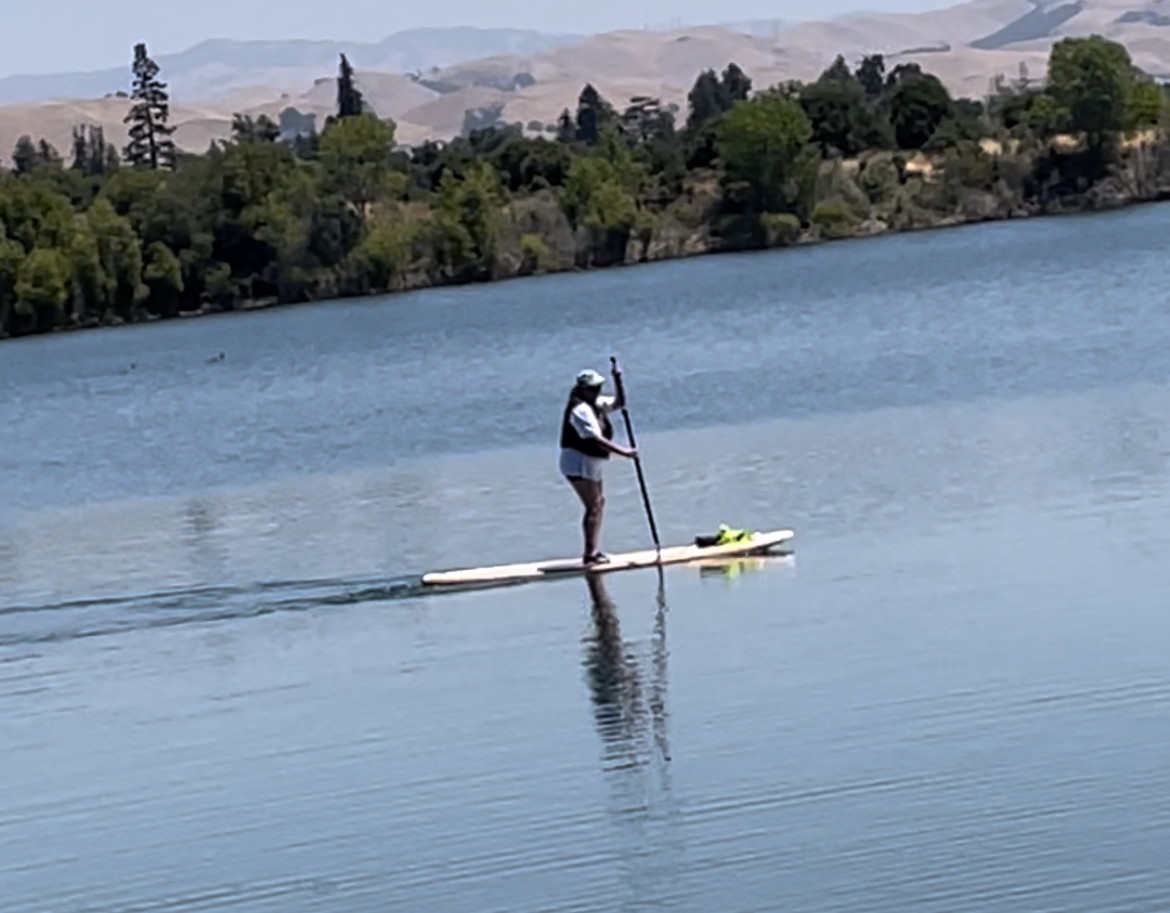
x,y
221,688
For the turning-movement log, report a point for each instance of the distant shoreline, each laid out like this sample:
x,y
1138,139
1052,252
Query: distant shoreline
x,y
283,213
806,240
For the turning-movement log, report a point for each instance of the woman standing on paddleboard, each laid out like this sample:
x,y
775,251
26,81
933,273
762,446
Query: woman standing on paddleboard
x,y
586,443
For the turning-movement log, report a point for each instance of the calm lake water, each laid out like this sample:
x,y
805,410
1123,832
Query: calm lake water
x,y
220,688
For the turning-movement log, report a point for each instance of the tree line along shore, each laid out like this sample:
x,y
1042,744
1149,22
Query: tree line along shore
x,y
271,216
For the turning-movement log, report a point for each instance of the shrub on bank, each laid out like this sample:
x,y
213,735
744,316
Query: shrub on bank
x,y
535,255
834,220
781,229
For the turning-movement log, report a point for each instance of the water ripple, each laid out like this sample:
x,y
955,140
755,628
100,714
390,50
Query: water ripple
x,y
34,624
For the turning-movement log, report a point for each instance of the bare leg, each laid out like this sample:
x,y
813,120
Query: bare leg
x,y
593,498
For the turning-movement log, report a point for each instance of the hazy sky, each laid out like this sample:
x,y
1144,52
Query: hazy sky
x,y
81,35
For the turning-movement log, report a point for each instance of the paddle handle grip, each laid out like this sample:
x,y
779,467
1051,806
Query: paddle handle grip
x,y
618,381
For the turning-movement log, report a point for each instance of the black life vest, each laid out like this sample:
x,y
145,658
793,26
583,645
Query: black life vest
x,y
573,441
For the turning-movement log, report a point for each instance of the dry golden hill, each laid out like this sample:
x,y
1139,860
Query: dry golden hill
x,y
664,64
967,45
197,126
54,121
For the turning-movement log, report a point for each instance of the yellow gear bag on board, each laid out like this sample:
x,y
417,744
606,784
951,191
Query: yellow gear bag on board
x,y
729,536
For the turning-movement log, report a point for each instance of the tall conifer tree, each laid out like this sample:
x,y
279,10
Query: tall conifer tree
x,y
594,113
706,100
80,149
737,85
349,98
566,128
24,156
92,155
150,143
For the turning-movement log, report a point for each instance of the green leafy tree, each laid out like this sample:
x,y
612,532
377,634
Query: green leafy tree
x,y
381,260
150,143
1023,111
1044,117
335,229
965,124
523,163
135,194
1095,81
430,160
184,209
107,264
42,288
1147,103
36,215
599,197
833,107
712,96
219,286
843,118
468,223
764,145
120,253
267,201
11,258
307,235
163,275
356,154
89,283
918,103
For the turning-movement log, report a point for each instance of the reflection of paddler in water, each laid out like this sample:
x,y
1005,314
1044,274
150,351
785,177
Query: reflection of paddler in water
x,y
628,716
631,720
612,677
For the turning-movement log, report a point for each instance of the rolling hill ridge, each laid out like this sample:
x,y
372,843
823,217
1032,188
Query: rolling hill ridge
x,y
428,80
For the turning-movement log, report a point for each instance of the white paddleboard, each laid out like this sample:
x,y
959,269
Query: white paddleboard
x,y
758,544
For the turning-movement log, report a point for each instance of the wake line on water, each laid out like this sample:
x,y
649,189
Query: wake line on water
x,y
23,625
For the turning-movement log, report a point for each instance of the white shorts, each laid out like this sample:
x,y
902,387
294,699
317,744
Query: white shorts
x,y
577,465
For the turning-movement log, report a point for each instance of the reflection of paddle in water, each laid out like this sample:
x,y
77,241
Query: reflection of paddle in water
x,y
629,708
658,656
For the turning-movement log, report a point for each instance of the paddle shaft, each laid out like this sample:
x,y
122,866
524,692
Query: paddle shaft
x,y
621,392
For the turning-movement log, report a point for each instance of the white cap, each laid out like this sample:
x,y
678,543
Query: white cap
x,y
590,378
